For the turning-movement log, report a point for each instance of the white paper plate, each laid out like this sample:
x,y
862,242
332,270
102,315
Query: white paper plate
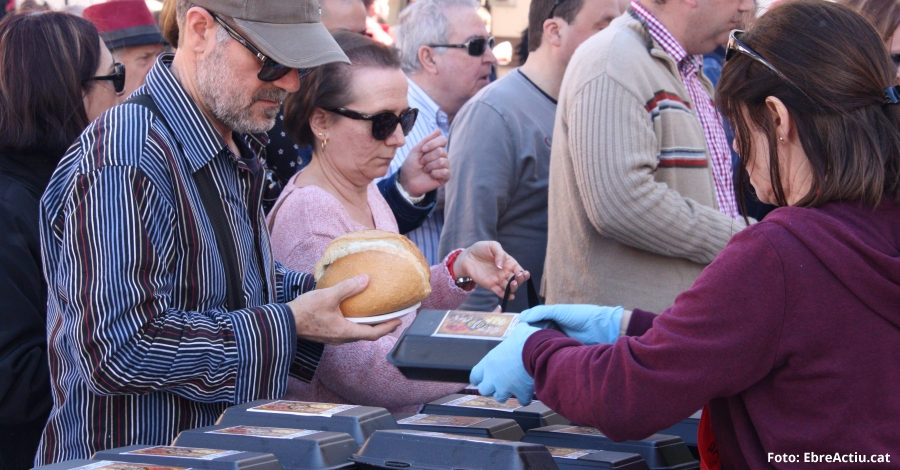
x,y
387,316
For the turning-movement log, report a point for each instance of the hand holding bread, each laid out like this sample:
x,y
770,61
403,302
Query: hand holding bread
x,y
399,276
318,317
490,267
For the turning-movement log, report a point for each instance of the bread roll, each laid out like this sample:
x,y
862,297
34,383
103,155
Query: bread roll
x,y
399,276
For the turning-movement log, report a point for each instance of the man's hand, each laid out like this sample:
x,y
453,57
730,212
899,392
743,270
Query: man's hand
x,y
426,168
318,316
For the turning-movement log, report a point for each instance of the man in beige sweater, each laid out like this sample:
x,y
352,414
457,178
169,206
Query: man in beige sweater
x,y
641,196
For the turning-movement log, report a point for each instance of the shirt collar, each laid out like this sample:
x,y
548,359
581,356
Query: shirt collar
x,y
660,34
427,107
195,133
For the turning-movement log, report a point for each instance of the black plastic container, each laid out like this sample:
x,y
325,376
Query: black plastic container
x,y
421,450
296,449
661,452
90,464
535,415
444,345
494,428
357,421
587,459
687,431
189,457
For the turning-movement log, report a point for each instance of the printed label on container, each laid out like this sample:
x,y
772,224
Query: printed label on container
x,y
440,420
580,430
260,431
302,408
476,325
111,465
567,453
475,401
183,452
458,437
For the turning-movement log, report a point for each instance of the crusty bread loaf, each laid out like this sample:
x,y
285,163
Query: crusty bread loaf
x,y
399,276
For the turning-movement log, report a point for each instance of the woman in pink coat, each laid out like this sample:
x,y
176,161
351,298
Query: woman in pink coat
x,y
355,117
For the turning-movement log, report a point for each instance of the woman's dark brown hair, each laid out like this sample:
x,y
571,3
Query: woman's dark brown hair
x,y
47,60
168,23
329,85
884,14
837,70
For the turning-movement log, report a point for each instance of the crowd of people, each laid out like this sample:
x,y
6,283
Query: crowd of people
x,y
168,183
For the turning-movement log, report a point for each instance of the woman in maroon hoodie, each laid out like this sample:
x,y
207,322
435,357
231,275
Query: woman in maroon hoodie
x,y
792,335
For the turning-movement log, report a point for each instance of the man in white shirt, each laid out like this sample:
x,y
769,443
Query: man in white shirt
x,y
446,54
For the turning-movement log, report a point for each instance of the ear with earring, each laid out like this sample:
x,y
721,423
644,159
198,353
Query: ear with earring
x,y
324,142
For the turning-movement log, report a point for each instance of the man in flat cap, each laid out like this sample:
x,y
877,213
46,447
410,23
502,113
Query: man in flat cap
x,y
129,31
165,306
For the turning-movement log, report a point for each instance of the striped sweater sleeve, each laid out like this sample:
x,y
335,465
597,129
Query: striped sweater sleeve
x,y
614,153
125,335
289,285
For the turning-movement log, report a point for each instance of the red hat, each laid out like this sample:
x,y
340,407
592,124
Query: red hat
x,y
124,23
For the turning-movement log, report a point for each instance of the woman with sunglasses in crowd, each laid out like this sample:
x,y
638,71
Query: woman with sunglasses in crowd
x,y
806,372
56,76
355,117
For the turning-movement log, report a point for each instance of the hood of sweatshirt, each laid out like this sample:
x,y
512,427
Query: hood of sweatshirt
x,y
858,244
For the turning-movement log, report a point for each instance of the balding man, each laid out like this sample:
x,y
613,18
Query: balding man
x,y
344,15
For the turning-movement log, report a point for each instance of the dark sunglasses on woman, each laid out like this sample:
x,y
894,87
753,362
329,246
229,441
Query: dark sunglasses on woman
x,y
117,77
383,124
735,45
270,70
475,47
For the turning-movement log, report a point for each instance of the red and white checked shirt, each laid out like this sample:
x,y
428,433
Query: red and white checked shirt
x,y
704,108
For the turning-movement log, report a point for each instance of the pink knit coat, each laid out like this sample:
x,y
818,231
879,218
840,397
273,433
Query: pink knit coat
x,y
305,221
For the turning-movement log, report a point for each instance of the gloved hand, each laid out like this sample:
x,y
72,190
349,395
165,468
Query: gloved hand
x,y
590,324
501,373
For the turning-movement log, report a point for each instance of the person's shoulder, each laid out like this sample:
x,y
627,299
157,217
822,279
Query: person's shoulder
x,y
508,87
623,41
16,196
619,54
118,137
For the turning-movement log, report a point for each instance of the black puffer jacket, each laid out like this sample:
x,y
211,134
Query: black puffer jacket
x,y
25,400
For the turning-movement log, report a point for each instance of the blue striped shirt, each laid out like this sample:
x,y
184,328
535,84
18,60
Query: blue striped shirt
x,y
141,344
428,236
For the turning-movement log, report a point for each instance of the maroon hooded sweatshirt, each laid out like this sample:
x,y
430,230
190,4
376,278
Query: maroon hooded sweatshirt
x,y
792,335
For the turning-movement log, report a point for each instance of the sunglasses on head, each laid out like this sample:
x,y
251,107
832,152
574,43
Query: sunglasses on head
x,y
383,124
475,47
270,70
117,77
736,46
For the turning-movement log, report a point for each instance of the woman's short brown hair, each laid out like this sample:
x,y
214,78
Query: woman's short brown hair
x,y
47,59
329,85
837,70
884,14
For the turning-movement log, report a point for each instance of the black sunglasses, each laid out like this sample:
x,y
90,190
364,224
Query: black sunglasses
x,y
270,70
895,58
735,45
383,124
475,47
117,77
555,4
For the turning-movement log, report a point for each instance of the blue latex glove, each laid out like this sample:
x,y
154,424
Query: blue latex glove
x,y
501,373
589,324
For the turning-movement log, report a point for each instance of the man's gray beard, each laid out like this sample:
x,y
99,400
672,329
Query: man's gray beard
x,y
215,78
